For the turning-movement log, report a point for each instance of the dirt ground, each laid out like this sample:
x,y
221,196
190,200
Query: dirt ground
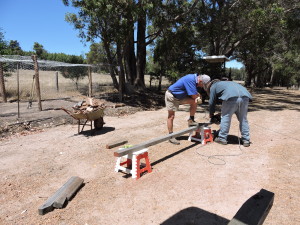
x,y
190,183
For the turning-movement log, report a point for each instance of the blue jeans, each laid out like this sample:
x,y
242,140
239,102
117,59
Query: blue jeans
x,y
239,106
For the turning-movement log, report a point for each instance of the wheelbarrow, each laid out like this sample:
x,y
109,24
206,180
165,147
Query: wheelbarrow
x,y
84,117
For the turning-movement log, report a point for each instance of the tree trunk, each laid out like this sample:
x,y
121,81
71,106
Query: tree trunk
x,y
141,51
129,55
121,73
161,73
272,75
111,66
2,84
248,78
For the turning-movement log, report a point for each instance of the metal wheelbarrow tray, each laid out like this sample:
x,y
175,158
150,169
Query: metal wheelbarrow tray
x,y
95,115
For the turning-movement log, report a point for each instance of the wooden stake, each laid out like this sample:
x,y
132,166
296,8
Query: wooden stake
x,y
37,81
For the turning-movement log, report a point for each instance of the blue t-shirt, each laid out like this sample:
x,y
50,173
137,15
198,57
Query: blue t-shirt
x,y
185,86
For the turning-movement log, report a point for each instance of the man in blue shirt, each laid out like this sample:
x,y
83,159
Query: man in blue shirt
x,y
184,91
235,99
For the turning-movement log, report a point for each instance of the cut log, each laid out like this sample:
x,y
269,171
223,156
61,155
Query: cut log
x,y
66,192
255,210
116,143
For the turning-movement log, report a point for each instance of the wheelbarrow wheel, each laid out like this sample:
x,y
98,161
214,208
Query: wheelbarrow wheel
x,y
98,123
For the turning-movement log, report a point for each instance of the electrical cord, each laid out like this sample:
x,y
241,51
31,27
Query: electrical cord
x,y
218,156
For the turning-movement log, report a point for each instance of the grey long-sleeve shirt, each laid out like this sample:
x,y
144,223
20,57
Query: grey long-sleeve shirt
x,y
224,90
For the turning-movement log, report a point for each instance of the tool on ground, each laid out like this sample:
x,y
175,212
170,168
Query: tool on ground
x,y
216,119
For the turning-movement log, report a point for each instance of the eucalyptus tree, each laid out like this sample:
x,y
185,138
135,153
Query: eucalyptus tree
x,y
114,22
3,43
104,20
237,29
97,56
3,47
14,48
176,52
222,25
39,50
272,43
287,63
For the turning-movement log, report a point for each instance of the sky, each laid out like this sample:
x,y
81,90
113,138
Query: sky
x,y
43,21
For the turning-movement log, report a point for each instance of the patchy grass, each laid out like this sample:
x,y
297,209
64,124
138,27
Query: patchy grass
x,y
66,88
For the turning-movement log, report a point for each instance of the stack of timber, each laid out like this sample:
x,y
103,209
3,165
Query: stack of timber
x,y
89,105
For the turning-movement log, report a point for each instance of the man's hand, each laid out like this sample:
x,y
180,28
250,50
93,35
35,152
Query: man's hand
x,y
198,100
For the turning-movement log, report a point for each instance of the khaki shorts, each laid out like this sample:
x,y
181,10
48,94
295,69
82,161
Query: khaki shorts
x,y
172,103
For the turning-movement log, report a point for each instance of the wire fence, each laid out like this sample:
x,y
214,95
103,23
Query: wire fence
x,y
57,81
54,79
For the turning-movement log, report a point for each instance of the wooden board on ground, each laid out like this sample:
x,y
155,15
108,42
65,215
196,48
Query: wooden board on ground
x,y
116,143
66,192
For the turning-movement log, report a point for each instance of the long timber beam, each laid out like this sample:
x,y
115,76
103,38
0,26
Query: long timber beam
x,y
154,141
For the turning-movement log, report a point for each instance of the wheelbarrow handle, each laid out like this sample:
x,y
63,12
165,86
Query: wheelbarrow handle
x,y
69,112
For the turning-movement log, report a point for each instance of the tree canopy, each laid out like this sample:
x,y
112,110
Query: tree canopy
x,y
263,35
170,38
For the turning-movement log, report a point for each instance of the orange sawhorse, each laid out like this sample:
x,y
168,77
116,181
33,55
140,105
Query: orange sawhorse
x,y
206,135
203,135
133,163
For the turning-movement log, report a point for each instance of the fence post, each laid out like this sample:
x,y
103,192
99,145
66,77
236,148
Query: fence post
x,y
37,81
56,81
2,84
18,89
90,81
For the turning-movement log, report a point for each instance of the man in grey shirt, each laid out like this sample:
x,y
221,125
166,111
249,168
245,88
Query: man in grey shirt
x,y
235,99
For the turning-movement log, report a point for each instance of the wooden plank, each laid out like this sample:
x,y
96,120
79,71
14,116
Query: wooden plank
x,y
58,195
154,141
255,210
116,143
60,201
68,192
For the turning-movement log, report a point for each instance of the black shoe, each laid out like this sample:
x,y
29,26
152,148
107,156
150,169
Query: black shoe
x,y
174,141
220,141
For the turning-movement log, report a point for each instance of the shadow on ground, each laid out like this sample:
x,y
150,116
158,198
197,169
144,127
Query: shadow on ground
x,y
95,132
194,215
275,100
